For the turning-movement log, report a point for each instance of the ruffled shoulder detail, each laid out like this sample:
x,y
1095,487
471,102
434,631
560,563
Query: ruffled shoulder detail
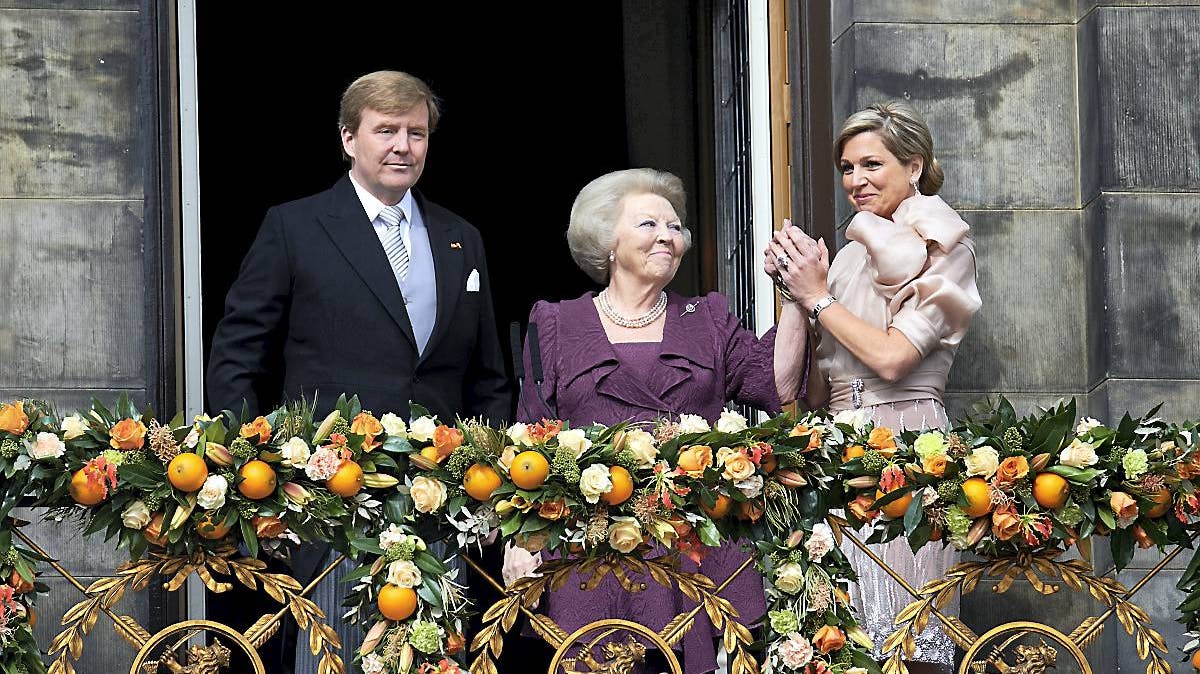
x,y
898,249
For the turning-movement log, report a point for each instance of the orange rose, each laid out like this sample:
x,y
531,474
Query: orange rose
x,y
883,440
13,418
258,427
814,435
1012,469
829,638
695,459
446,440
455,642
934,465
1123,506
737,466
1006,523
128,434
367,426
554,510
861,508
268,527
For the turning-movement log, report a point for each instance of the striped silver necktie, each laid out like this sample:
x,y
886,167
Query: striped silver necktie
x,y
393,241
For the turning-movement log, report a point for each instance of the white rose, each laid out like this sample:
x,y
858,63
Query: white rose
x,y
789,578
731,422
390,536
575,441
1078,454
1085,425
422,429
820,542
393,425
928,496
192,438
47,446
751,486
982,461
73,427
855,419
594,481
403,573
625,535
692,423
136,516
373,664
212,494
641,444
519,434
428,494
295,453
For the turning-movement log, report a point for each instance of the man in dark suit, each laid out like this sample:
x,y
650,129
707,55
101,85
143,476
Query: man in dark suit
x,y
365,288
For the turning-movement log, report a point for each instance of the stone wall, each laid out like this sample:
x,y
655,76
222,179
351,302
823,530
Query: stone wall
x,y
77,278
1069,134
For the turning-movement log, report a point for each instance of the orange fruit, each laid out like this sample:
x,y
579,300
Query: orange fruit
x,y
211,530
622,487
1162,503
852,452
85,492
897,508
979,497
154,533
19,584
1051,490
258,480
187,472
347,481
397,603
720,509
431,453
1196,660
480,481
529,469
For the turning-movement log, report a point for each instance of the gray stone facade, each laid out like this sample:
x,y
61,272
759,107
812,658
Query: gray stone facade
x,y
1070,137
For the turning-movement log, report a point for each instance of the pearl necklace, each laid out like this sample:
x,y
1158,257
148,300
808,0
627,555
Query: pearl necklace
x,y
637,321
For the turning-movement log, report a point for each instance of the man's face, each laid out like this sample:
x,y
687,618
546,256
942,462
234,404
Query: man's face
x,y
388,151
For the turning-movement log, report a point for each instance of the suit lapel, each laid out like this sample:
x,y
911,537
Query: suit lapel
x,y
347,226
447,265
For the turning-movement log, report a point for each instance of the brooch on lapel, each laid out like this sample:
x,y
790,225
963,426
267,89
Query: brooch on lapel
x,y
690,307
455,245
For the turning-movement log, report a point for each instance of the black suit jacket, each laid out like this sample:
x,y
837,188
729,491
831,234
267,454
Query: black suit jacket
x,y
316,297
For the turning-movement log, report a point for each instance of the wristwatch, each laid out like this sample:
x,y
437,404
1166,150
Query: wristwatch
x,y
821,305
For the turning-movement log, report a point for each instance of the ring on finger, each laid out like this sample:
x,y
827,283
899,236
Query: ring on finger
x,y
782,261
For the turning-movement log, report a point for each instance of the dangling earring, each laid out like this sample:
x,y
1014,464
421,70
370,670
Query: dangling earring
x,y
913,181
612,256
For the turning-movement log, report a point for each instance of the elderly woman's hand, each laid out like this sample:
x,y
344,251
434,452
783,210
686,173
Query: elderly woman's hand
x,y
800,262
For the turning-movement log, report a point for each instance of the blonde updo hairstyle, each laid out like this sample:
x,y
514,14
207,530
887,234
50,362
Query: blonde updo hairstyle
x,y
592,230
904,134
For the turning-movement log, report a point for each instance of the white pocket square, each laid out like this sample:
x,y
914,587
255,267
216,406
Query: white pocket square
x,y
473,281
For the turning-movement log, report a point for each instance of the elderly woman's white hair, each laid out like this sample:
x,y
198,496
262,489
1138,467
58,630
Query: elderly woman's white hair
x,y
594,214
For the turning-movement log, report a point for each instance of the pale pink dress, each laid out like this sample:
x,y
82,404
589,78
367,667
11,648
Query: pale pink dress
x,y
915,273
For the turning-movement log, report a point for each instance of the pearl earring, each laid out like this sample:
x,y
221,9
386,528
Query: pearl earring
x,y
612,256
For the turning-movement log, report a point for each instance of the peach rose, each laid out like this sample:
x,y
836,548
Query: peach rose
x,y
366,425
128,434
268,527
13,418
259,427
737,466
861,508
814,435
446,440
554,510
828,639
934,465
1123,506
695,459
1012,469
1006,523
883,440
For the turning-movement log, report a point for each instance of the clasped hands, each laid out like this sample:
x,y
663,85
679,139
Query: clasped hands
x,y
799,265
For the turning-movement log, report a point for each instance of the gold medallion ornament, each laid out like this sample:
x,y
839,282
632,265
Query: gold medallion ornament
x,y
169,651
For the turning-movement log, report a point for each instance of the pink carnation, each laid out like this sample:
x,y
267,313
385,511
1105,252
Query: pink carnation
x,y
323,464
795,651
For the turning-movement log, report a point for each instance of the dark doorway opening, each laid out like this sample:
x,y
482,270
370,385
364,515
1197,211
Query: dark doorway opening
x,y
536,103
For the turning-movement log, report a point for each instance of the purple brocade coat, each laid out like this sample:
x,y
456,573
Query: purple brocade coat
x,y
705,359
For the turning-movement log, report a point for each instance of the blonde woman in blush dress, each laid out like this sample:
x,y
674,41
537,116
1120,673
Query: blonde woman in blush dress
x,y
886,319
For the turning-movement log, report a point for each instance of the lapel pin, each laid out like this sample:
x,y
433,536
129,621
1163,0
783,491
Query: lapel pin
x,y
455,245
689,308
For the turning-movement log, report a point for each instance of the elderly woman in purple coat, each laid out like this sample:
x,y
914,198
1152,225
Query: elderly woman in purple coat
x,y
635,352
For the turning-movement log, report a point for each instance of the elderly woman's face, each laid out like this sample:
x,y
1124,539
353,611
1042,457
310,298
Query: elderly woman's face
x,y
874,180
648,239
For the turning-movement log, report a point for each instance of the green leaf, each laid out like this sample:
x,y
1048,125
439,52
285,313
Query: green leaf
x,y
510,525
366,544
250,537
397,507
709,535
1082,476
1121,543
429,565
1106,515
913,516
1190,573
